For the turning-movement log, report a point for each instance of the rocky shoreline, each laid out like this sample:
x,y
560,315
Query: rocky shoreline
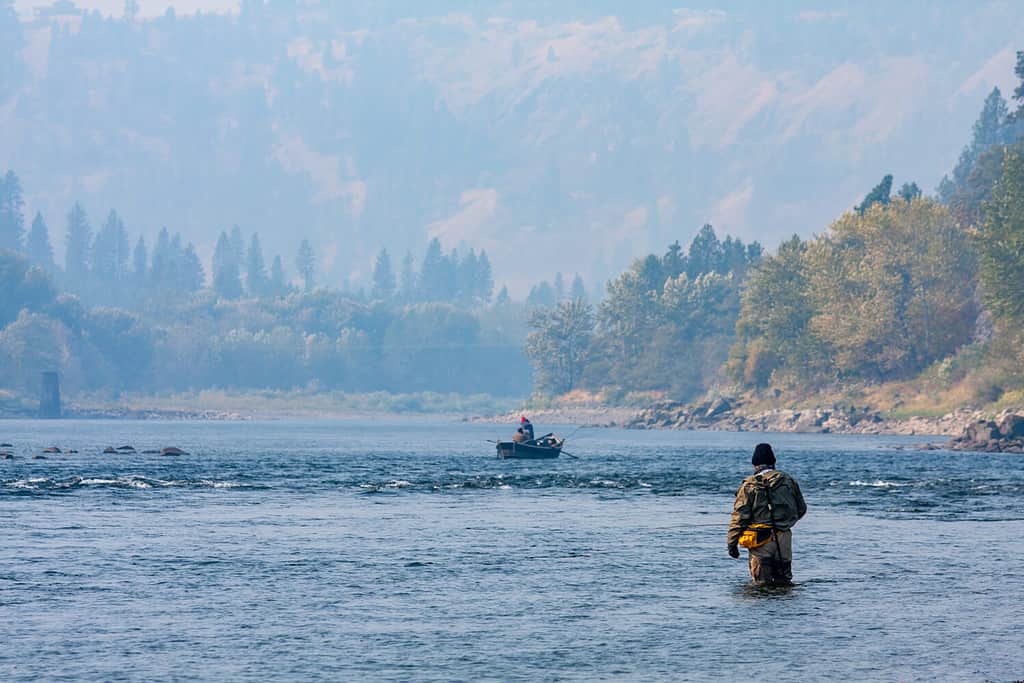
x,y
967,429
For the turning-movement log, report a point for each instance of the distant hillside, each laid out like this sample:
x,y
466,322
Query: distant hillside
x,y
559,138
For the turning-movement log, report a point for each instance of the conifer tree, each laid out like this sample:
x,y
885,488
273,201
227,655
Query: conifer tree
x,y
305,263
503,298
38,247
705,254
227,281
255,270
432,275
383,276
1000,242
12,218
278,280
559,287
674,261
578,291
160,265
484,278
193,278
105,248
408,284
78,242
140,265
880,194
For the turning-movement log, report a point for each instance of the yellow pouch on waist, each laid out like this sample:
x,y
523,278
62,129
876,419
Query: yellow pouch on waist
x,y
755,535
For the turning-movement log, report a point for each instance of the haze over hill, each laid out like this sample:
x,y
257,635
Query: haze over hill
x,y
572,138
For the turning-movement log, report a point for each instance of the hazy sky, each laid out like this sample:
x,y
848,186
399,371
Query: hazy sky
x,y
582,133
146,7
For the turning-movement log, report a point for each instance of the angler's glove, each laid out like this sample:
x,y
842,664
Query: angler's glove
x,y
734,551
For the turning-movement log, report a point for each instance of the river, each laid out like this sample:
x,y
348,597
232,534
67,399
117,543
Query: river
x,y
403,550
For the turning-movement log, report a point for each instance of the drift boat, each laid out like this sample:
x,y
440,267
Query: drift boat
x,y
547,446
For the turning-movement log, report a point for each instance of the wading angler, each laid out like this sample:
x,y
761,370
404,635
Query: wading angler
x,y
768,504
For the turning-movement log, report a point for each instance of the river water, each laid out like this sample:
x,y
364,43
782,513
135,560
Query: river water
x,y
383,550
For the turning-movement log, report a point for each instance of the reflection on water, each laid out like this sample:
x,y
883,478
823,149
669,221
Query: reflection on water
x,y
398,551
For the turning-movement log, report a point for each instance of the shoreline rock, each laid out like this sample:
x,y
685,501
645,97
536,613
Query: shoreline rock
x,y
725,414
1004,434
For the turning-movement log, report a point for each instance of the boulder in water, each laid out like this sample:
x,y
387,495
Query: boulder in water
x,y
39,457
6,445
109,449
51,449
126,449
172,450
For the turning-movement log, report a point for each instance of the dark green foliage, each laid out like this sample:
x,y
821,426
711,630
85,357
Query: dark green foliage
x,y
140,264
22,286
560,344
37,245
880,194
1000,242
12,218
909,192
659,331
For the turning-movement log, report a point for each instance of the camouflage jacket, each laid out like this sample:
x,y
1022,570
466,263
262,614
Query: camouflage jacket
x,y
751,505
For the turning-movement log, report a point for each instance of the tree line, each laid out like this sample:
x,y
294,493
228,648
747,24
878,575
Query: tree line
x,y
902,284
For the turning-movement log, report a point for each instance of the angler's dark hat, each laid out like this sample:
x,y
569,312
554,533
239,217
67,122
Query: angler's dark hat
x,y
763,455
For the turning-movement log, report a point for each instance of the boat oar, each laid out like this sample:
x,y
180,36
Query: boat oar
x,y
574,457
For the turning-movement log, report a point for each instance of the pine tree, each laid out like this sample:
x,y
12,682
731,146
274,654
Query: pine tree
x,y
559,287
140,266
227,281
105,252
432,275
705,254
674,261
278,280
465,278
193,278
484,278
238,247
38,247
305,263
578,291
255,270
160,263
1000,242
12,218
383,276
78,242
880,194
408,291
503,298
909,192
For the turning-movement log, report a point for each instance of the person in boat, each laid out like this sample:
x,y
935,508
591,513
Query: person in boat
x,y
519,436
768,504
527,428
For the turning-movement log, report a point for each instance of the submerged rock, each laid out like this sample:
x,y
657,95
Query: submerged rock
x,y
109,449
6,445
172,450
126,449
51,449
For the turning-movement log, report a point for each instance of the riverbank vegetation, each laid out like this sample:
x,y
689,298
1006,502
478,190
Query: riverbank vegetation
x,y
909,301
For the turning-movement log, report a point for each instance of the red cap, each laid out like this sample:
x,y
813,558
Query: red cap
x,y
522,419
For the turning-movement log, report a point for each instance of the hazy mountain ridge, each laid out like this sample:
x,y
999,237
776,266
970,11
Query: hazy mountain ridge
x,y
577,139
